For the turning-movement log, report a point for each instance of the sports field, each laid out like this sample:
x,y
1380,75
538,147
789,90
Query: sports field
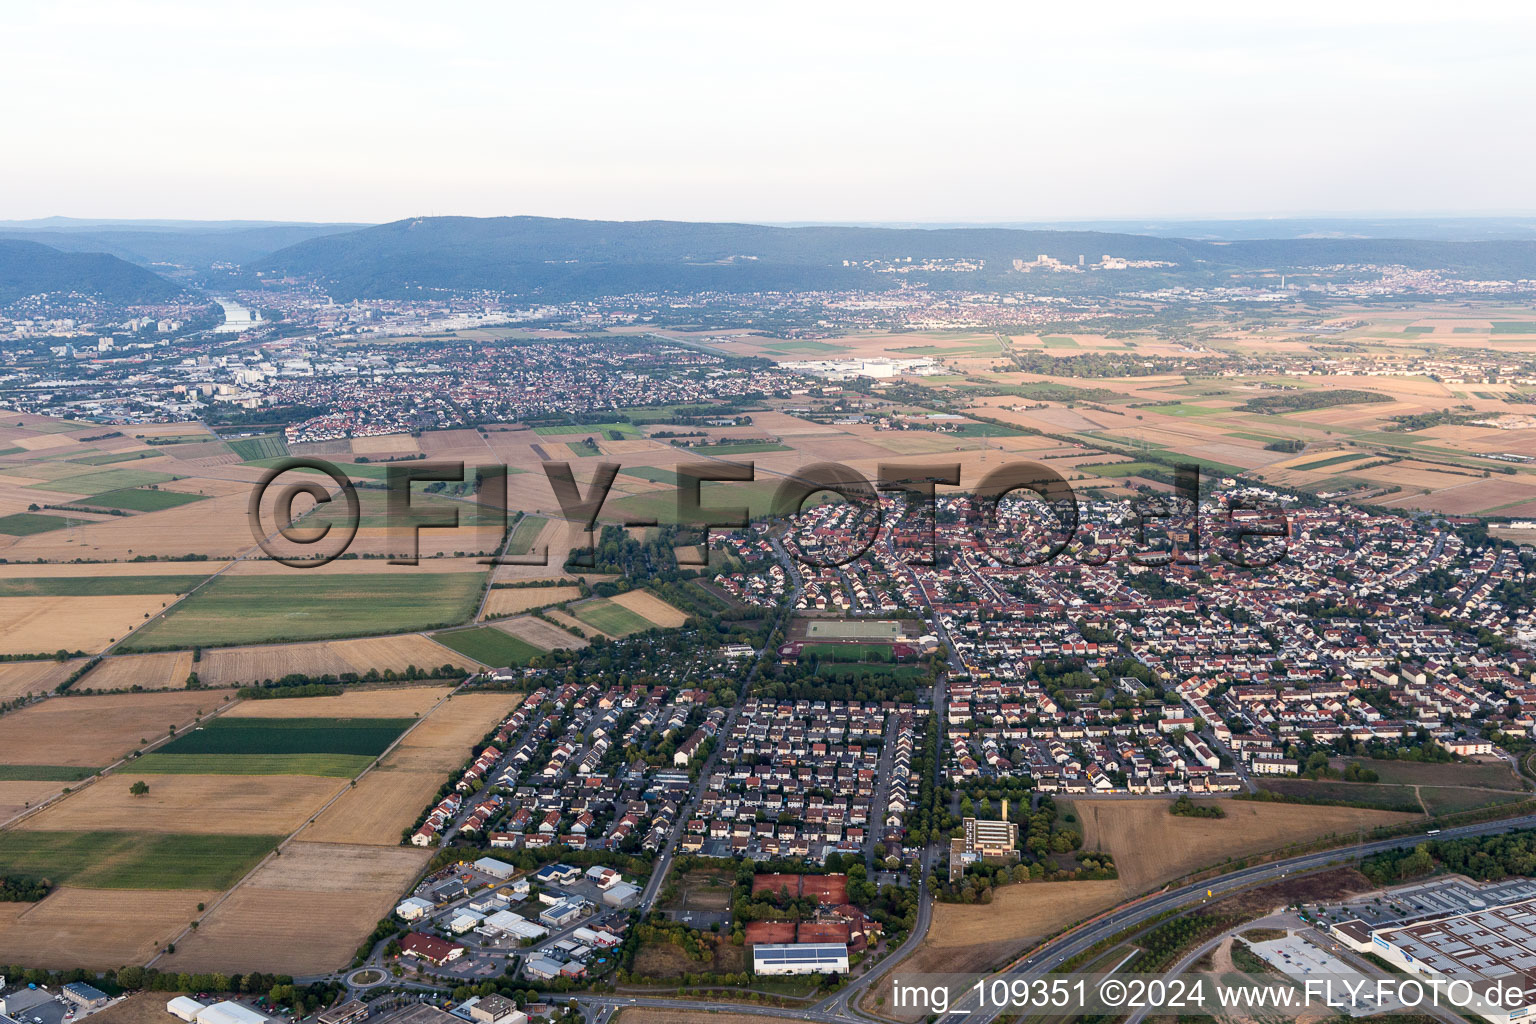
x,y
234,610
853,629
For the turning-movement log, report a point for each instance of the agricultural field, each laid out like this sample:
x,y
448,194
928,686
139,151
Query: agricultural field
x,y
234,737
150,671
132,860
18,678
25,524
396,701
445,738
92,731
96,929
141,499
651,608
189,804
375,811
506,601
489,646
610,617
240,665
38,625
235,610
540,633
348,887
1151,846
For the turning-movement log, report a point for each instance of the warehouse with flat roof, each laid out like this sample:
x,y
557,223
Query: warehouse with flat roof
x,y
800,958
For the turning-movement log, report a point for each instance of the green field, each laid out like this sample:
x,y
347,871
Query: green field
x,y
234,610
109,458
1450,799
613,619
373,509
592,429
1513,327
870,653
1119,468
367,737
745,448
987,430
103,480
1060,341
584,448
1453,773
489,646
1179,409
654,474
25,524
525,533
96,586
1364,794
132,860
330,766
1337,460
136,499
268,446
43,773
11,451
352,470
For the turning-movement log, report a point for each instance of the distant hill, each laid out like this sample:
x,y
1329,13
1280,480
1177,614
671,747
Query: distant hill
x,y
196,245
561,259
27,268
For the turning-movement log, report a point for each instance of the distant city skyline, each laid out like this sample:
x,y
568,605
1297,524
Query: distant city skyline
x,y
831,113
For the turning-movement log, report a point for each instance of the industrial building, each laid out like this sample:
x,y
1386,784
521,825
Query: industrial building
x,y
350,1012
800,958
622,895
83,996
424,947
495,868
229,1012
184,1007
414,908
1490,945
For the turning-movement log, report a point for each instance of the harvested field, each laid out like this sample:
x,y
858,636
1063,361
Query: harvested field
x,y
515,600
652,608
1151,846
22,677
239,665
348,887
98,729
190,804
32,625
377,809
16,797
385,444
969,939
373,702
541,634
444,740
151,671
94,928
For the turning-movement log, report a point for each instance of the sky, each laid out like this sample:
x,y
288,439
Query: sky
x,y
829,111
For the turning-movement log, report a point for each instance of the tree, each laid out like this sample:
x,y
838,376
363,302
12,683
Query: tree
x,y
139,788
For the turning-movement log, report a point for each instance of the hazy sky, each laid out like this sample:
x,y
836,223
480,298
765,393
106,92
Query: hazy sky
x,y
764,112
